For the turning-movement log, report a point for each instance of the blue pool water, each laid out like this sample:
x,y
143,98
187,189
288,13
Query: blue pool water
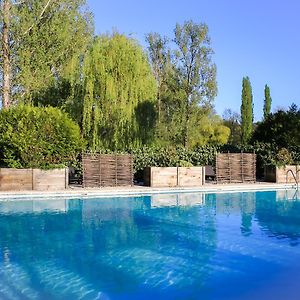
x,y
165,246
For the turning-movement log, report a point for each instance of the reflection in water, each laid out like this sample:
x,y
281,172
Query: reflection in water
x,y
279,217
165,246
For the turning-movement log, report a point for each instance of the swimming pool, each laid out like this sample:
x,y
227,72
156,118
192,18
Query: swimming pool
x,y
241,245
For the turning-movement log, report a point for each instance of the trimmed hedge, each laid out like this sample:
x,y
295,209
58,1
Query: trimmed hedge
x,y
267,154
38,137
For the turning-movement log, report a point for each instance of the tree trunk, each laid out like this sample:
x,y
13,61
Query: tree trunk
x,y
186,125
159,105
6,55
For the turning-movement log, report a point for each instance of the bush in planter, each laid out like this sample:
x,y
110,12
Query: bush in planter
x,y
38,137
204,155
283,157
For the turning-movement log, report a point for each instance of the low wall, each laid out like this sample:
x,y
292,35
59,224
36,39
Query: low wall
x,y
174,176
279,174
33,179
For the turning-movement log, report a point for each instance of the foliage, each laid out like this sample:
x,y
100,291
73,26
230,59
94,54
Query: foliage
x,y
172,156
32,137
284,157
207,129
246,111
194,69
45,37
232,120
160,59
119,93
205,155
281,128
267,102
186,80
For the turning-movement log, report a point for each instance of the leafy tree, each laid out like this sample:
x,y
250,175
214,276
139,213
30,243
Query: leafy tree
x,y
267,102
43,38
281,128
210,131
246,111
186,83
5,53
159,56
38,137
196,73
117,86
232,120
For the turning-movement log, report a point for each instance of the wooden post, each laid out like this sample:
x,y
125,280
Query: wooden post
x,y
33,179
229,167
203,175
242,166
66,178
100,171
131,169
116,169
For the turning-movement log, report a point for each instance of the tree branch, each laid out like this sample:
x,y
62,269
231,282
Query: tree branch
x,y
40,17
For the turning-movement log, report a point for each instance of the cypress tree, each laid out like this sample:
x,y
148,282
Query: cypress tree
x,y
267,102
247,110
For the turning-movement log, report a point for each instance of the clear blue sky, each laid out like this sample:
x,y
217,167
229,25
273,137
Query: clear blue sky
x,y
257,38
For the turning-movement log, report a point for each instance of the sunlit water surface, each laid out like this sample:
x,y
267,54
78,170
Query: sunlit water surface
x,y
165,246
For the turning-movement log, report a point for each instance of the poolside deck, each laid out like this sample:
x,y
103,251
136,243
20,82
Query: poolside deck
x,y
77,191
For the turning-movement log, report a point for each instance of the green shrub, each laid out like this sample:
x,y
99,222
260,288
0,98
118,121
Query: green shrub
x,y
267,154
281,128
171,157
38,137
284,157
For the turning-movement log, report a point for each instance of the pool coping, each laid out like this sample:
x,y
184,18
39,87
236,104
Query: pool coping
x,y
141,190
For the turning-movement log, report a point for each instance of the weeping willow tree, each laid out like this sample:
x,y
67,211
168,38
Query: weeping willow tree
x,y
38,38
118,90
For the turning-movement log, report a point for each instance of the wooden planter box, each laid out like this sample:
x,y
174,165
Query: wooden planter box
x,y
174,176
279,174
33,179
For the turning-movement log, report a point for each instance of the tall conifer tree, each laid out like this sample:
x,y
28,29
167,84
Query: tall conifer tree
x,y
247,110
267,102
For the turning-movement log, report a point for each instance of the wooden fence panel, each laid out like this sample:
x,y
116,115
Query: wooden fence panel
x,y
236,167
124,170
100,170
91,172
223,168
108,170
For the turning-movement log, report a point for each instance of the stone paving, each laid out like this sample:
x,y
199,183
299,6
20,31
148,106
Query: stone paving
x,y
77,191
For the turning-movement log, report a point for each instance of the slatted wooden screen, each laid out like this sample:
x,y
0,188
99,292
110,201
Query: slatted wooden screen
x,y
236,167
101,170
